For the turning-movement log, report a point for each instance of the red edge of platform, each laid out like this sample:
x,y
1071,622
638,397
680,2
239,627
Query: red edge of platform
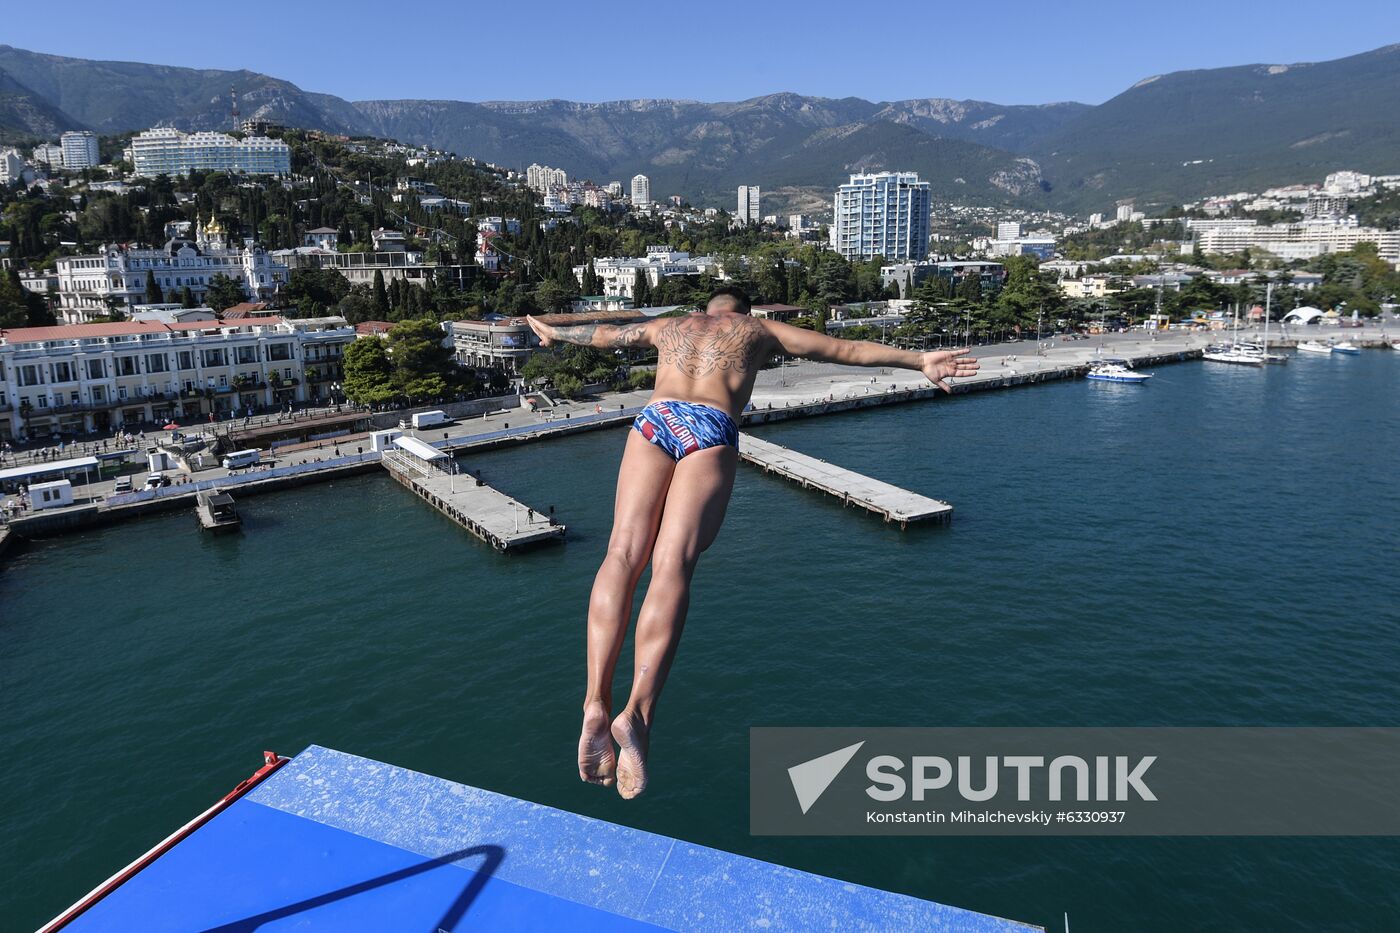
x,y
271,762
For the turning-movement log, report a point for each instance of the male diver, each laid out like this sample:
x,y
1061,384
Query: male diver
x,y
672,489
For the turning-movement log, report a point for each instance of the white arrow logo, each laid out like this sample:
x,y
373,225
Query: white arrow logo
x,y
811,778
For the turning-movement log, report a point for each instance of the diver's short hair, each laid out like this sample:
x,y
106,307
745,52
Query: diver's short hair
x,y
742,304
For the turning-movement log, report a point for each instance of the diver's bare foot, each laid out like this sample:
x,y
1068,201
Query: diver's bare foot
x,y
631,734
596,762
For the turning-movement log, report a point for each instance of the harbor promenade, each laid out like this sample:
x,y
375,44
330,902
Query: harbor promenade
x,y
798,388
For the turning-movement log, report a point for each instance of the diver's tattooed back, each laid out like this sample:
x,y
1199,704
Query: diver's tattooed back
x,y
699,345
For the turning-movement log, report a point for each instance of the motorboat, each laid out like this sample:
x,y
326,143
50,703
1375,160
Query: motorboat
x,y
1347,347
1115,371
1313,346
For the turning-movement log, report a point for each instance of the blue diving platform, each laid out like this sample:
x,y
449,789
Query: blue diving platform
x,y
330,841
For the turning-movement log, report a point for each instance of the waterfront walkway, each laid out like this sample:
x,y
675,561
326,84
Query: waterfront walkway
x,y
491,515
851,488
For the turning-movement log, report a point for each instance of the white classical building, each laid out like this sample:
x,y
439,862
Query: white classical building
x,y
167,151
884,214
641,191
618,275
93,285
79,149
77,378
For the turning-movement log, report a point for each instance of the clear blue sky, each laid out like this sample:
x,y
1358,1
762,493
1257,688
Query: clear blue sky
x,y
1013,51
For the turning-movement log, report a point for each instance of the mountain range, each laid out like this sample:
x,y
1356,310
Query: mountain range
x,y
1166,139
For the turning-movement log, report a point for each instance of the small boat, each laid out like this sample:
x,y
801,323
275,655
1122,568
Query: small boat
x,y
1260,351
216,512
1312,346
1232,355
1115,371
1347,347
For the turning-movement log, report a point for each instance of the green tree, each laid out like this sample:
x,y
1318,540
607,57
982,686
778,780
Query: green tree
x,y
592,285
315,292
187,298
14,310
380,297
368,378
154,295
423,367
641,290
223,293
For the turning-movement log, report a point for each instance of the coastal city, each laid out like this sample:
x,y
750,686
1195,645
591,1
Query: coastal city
x,y
348,384
183,339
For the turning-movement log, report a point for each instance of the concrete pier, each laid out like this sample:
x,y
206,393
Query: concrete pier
x,y
491,515
891,502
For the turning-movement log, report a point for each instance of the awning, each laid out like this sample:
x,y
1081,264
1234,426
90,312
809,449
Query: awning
x,y
419,449
52,466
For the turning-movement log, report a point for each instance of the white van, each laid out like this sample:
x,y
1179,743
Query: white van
x,y
241,458
428,419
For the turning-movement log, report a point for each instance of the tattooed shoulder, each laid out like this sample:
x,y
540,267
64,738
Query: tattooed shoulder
x,y
699,346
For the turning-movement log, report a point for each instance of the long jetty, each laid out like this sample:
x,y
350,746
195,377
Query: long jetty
x,y
488,513
853,489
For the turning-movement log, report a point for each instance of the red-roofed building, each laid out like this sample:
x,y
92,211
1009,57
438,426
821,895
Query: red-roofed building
x,y
76,378
373,328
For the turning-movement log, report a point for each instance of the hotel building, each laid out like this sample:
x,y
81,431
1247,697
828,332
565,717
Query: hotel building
x,y
77,378
167,151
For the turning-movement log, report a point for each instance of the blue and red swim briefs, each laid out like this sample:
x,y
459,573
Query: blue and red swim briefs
x,y
681,428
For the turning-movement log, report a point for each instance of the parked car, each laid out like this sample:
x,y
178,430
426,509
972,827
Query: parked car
x,y
157,480
123,484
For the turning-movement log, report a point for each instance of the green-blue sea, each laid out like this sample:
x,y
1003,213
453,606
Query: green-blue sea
x,y
1215,548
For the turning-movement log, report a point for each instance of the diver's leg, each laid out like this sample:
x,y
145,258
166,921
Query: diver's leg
x,y
694,511
642,481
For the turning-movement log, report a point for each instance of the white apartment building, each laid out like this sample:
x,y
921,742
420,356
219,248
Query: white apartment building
x,y
11,166
541,177
1301,240
79,378
167,151
79,149
884,214
92,285
748,212
49,155
641,190
1008,230
619,274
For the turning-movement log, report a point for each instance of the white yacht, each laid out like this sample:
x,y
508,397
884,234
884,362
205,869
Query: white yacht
x,y
1232,354
1312,346
1115,371
1347,347
1260,351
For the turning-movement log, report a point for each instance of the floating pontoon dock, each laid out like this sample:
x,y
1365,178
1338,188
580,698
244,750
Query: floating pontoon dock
x,y
329,841
891,502
492,516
